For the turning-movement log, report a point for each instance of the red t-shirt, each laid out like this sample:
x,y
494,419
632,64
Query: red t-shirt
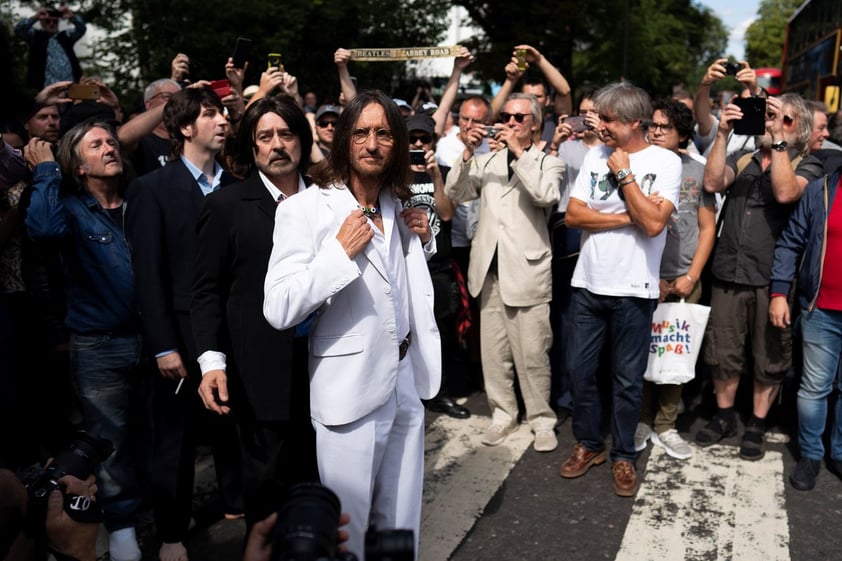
x,y
830,291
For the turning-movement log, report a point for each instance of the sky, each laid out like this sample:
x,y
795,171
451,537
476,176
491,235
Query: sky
x,y
736,15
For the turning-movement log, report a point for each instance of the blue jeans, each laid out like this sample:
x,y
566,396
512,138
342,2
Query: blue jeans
x,y
822,333
626,323
104,372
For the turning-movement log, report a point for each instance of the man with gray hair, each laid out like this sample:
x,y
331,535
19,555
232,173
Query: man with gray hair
x,y
623,197
762,187
510,267
152,151
72,199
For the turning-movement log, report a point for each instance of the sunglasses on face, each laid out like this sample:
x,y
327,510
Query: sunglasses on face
x,y
325,124
424,138
519,117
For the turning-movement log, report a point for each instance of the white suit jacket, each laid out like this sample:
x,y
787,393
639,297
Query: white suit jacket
x,y
353,340
513,219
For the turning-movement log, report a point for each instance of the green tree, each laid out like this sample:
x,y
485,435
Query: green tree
x,y
765,36
669,41
142,37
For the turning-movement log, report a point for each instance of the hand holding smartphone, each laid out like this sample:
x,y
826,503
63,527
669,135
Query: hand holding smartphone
x,y
577,123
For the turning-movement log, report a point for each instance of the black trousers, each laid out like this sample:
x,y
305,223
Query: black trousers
x,y
278,453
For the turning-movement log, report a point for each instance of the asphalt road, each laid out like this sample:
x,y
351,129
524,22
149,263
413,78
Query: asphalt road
x,y
509,502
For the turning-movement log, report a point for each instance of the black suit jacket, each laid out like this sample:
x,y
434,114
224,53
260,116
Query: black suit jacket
x,y
162,210
235,241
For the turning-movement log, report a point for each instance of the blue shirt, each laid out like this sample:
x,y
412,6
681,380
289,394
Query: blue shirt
x,y
206,187
98,271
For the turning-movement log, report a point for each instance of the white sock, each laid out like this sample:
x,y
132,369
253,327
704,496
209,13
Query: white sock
x,y
122,545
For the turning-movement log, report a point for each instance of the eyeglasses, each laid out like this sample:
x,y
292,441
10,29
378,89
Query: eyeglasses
x,y
384,137
519,117
665,127
326,124
424,138
163,95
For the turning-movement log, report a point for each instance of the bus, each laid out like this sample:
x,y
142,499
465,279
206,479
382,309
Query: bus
x,y
811,56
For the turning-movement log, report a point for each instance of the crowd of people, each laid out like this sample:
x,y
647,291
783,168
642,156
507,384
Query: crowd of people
x,y
295,282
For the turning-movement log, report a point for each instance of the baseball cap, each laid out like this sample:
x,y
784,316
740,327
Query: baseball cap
x,y
402,103
324,109
421,122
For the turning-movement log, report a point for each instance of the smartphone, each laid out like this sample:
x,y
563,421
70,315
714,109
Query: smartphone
x,y
242,47
417,158
578,123
753,122
83,91
221,88
274,60
521,59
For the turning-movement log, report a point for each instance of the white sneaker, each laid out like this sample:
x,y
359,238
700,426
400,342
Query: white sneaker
x,y
673,444
641,436
122,545
496,434
545,441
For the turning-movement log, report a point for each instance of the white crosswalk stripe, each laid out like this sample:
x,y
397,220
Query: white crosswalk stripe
x,y
461,476
712,506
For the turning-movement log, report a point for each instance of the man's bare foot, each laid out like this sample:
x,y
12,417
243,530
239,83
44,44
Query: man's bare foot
x,y
173,552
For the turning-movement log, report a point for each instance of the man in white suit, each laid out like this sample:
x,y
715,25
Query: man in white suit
x,y
350,252
510,267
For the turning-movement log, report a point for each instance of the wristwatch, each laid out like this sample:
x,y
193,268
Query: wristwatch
x,y
622,174
780,145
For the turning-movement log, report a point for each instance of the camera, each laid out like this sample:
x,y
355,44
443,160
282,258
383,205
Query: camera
x,y
54,13
308,520
79,458
490,131
731,68
82,454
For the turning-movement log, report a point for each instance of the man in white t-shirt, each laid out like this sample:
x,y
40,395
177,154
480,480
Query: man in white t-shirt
x,y
623,197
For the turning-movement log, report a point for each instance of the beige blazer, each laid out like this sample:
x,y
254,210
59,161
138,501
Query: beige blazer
x,y
513,219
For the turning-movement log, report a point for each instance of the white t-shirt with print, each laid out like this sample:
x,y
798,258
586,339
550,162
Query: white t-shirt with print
x,y
623,261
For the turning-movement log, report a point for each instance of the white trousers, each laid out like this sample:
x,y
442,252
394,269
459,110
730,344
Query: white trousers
x,y
375,465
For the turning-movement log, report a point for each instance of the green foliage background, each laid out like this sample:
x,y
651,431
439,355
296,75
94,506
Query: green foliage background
x,y
668,43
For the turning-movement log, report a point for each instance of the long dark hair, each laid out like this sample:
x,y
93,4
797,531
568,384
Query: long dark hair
x,y
397,174
293,116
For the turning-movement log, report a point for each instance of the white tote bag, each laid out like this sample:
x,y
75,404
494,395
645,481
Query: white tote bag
x,y
676,339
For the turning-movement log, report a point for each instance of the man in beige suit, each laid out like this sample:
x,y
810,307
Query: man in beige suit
x,y
510,267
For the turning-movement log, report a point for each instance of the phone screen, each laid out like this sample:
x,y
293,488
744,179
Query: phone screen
x,y
242,47
417,157
753,122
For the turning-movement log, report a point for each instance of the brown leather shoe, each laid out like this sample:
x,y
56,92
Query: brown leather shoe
x,y
625,478
581,461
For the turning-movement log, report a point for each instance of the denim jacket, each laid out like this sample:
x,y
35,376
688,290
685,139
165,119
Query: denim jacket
x,y
800,249
98,271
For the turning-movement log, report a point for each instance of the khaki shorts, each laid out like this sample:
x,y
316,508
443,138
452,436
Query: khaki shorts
x,y
739,322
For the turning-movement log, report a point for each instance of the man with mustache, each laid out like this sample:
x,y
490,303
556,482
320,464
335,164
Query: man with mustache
x,y
259,373
161,219
101,312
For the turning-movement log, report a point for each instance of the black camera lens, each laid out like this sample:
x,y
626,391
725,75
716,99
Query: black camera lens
x,y
731,68
307,523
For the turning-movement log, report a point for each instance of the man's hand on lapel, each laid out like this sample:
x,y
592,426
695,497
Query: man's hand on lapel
x,y
355,233
417,221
